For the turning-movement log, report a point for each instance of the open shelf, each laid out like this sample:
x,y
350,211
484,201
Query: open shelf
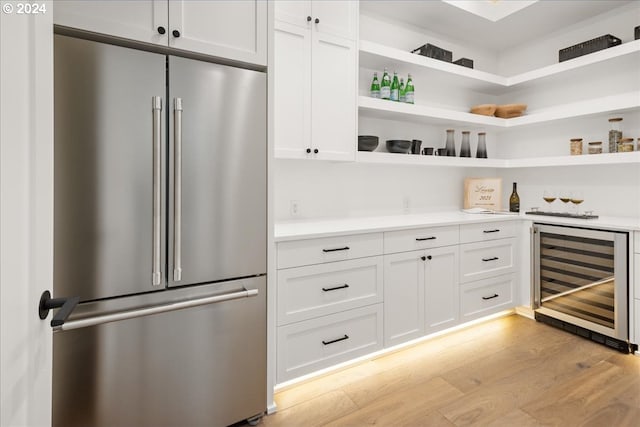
x,y
376,56
556,161
441,116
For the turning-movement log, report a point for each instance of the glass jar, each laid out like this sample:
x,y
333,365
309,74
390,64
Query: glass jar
x,y
576,146
625,145
465,147
615,133
450,144
481,151
595,147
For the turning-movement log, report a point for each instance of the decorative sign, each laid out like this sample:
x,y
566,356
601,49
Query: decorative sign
x,y
483,193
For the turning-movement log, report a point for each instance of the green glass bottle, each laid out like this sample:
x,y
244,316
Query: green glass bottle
x,y
409,91
395,88
385,85
401,92
375,86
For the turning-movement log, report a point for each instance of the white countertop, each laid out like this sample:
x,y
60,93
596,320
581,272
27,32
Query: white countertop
x,y
307,229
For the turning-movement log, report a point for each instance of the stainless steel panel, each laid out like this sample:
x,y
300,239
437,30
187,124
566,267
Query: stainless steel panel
x,y
103,232
224,145
198,366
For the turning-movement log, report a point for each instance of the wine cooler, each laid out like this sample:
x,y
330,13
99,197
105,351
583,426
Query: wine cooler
x,y
580,282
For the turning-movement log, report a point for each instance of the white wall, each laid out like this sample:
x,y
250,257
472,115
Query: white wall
x,y
26,215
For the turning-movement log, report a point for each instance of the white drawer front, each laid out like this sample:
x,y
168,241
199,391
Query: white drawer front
x,y
316,251
420,238
314,344
487,231
484,297
317,290
486,259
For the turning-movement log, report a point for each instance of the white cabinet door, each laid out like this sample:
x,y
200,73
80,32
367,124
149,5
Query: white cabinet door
x,y
441,293
292,88
142,20
228,29
338,18
403,297
294,12
333,97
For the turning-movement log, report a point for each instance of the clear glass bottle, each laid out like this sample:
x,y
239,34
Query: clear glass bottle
x,y
385,85
615,134
465,147
450,144
395,88
402,92
409,91
481,151
375,86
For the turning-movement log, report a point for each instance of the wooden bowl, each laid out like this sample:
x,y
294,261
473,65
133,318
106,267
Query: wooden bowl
x,y
508,111
484,109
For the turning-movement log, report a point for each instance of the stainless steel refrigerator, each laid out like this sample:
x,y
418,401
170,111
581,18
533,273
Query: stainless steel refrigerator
x,y
160,230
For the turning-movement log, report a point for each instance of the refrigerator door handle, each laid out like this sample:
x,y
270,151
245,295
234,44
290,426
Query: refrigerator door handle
x,y
164,308
177,190
157,202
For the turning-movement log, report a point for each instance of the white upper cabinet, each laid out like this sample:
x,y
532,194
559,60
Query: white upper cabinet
x,y
315,83
235,30
338,18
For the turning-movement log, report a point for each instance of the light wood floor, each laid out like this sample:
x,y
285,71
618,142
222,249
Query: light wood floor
x,y
507,372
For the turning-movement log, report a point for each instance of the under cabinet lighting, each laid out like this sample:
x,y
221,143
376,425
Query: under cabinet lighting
x,y
493,10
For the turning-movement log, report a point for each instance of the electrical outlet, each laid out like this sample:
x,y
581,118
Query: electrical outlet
x,y
405,204
294,207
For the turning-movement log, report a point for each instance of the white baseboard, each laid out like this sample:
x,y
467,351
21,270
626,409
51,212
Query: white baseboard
x,y
525,311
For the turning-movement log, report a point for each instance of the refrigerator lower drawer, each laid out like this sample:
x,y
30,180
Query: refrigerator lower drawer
x,y
204,365
314,344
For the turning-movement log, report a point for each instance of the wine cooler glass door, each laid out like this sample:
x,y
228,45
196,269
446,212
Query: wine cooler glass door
x,y
581,277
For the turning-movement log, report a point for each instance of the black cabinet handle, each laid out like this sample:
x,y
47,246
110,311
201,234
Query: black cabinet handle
x,y
346,248
424,258
161,30
176,33
491,297
345,337
421,239
308,150
308,19
491,231
490,259
335,288
66,306
429,257
315,150
317,21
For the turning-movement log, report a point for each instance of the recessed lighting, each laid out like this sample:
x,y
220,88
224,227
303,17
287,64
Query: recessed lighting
x,y
493,10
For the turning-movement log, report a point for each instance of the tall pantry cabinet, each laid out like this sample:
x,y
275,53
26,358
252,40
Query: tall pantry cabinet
x,y
315,63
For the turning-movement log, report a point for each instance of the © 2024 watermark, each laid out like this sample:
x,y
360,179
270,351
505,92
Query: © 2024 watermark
x,y
21,8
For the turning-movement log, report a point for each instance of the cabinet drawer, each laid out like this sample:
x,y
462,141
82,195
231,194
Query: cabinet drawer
x,y
483,297
318,290
486,259
315,251
314,344
487,231
420,238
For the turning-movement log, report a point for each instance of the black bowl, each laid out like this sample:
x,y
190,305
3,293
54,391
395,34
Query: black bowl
x,y
398,146
367,142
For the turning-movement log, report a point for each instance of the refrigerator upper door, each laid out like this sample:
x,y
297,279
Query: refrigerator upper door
x,y
109,127
217,169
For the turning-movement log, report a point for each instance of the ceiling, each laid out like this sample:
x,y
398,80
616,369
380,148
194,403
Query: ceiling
x,y
536,20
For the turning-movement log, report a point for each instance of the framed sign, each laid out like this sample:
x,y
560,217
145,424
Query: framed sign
x,y
483,193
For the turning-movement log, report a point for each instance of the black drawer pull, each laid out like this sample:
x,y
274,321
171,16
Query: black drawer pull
x,y
420,239
491,231
490,259
346,248
491,297
345,337
336,288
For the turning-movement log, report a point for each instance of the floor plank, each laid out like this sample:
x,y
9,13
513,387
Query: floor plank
x,y
318,411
